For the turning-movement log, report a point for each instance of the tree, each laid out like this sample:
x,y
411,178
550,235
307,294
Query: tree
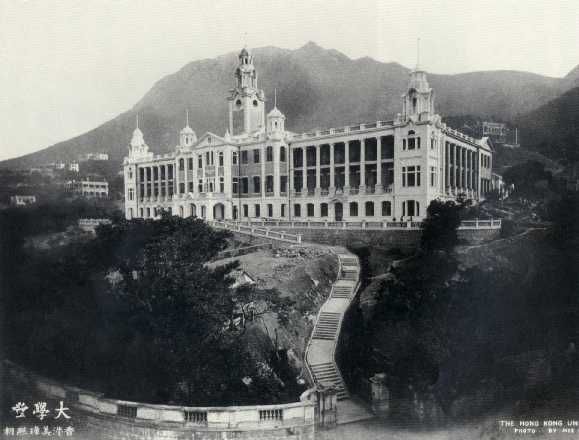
x,y
440,226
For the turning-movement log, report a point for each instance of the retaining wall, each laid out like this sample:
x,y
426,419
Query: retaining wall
x,y
110,419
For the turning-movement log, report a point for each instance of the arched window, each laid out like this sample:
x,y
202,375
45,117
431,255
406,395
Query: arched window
x,y
386,209
324,210
181,164
269,154
310,208
221,158
369,206
282,154
353,209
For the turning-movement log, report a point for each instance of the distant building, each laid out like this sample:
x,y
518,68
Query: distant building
x,y
90,224
19,200
500,186
377,170
74,167
88,188
500,133
94,156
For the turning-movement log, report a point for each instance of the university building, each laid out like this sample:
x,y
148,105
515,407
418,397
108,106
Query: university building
x,y
388,170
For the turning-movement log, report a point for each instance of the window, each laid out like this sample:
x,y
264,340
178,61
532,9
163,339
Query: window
x,y
244,185
234,158
190,189
141,211
353,209
255,102
190,163
433,176
221,184
411,176
148,212
255,156
200,162
130,173
324,210
269,210
244,157
131,193
234,185
208,160
200,185
245,210
369,206
297,210
311,156
386,209
269,184
410,208
220,158
181,188
282,157
256,184
283,209
269,154
257,211
283,184
310,209
181,212
298,157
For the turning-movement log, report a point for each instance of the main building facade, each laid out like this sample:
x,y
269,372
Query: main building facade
x,y
387,170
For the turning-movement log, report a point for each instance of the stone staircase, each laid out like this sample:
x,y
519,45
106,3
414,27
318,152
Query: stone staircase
x,y
321,349
327,326
327,374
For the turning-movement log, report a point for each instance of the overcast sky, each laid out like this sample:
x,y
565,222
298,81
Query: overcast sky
x,y
67,66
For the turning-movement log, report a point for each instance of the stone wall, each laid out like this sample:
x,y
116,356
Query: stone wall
x,y
98,417
403,239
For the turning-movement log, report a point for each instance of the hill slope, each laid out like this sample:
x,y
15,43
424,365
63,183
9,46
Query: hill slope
x,y
316,88
553,129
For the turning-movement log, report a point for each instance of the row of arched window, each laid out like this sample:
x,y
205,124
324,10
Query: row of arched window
x,y
353,209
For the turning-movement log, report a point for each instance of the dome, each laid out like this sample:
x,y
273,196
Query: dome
x,y
138,138
187,130
275,113
243,52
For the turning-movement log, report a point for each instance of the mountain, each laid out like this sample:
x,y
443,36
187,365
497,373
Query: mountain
x,y
553,128
316,88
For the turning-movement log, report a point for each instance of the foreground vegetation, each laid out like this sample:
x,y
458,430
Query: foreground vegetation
x,y
463,331
137,314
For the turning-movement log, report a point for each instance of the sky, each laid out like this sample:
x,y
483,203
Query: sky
x,y
68,66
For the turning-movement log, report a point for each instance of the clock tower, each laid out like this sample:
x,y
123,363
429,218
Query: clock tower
x,y
246,101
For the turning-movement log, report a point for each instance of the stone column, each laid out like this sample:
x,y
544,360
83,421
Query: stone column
x,y
332,188
149,181
362,186
346,167
262,173
305,171
276,171
166,181
379,187
454,165
318,173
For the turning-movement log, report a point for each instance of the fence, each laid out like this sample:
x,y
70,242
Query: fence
x,y
229,417
359,225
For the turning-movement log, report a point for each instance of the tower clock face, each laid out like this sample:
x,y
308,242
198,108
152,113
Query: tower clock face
x,y
238,103
255,102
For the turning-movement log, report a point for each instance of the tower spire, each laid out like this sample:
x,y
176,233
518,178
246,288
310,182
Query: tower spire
x,y
275,97
418,53
137,117
187,117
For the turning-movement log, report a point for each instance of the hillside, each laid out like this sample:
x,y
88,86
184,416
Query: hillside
x,y
553,129
317,87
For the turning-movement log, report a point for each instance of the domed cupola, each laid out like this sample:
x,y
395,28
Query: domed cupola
x,y
275,121
137,146
187,136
